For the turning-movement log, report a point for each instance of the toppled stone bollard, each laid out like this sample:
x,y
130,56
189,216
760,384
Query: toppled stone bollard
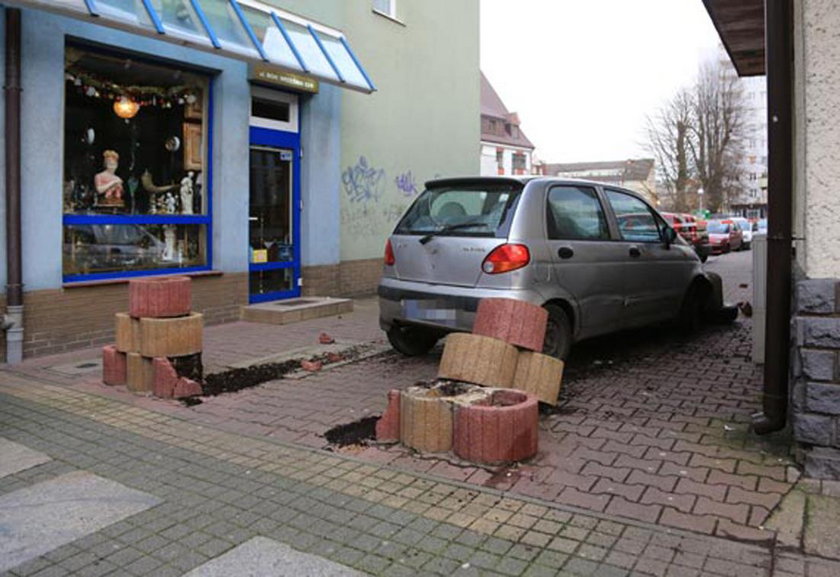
x,y
501,429
478,360
512,321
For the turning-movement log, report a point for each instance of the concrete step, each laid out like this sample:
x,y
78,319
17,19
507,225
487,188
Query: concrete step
x,y
284,312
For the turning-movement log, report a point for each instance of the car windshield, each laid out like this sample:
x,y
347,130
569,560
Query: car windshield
x,y
718,228
468,210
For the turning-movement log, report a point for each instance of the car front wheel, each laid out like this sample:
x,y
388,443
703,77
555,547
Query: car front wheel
x,y
412,341
558,333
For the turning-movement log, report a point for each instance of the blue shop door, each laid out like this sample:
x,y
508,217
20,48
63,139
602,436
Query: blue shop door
x,y
274,216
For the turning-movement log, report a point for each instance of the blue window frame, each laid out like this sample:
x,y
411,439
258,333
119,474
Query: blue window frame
x,y
284,271
138,167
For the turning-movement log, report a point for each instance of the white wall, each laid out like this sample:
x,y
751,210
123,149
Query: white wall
x,y
818,137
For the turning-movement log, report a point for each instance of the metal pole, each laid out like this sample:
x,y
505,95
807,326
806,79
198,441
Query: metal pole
x,y
779,66
13,319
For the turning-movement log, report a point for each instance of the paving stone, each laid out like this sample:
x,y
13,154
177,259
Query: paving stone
x,y
17,458
47,515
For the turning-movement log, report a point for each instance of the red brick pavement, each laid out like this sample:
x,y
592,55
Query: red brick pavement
x,y
651,426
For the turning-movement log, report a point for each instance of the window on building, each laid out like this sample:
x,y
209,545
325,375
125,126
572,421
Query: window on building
x,y
386,7
520,163
500,157
136,167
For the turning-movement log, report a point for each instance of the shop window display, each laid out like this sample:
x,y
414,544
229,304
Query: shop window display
x,y
135,194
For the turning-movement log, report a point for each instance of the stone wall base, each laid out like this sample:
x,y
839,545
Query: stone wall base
x,y
815,387
78,317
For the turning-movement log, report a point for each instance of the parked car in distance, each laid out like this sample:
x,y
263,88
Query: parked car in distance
x,y
761,226
598,258
724,236
686,227
746,230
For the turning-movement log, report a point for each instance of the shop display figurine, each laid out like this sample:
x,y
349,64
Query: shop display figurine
x,y
169,203
109,186
169,242
187,193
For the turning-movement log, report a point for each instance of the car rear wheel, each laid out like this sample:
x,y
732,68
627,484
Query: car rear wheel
x,y
558,333
412,341
693,309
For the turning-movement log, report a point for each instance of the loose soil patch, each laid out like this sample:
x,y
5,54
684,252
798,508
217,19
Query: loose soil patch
x,y
355,433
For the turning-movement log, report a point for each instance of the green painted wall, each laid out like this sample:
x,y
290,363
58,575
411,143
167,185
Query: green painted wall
x,y
424,119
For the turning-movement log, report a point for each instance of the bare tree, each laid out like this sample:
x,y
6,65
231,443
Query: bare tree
x,y
697,139
719,126
668,133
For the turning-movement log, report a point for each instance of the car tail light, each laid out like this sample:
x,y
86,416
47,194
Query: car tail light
x,y
389,254
506,258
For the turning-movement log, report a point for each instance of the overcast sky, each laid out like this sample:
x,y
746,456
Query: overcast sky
x,y
583,74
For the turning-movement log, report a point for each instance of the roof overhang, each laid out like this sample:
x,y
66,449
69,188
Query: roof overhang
x,y
740,25
242,29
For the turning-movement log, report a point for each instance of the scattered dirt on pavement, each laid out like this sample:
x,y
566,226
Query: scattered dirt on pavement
x,y
234,380
243,378
355,433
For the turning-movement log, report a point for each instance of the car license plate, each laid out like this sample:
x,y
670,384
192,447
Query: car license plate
x,y
429,311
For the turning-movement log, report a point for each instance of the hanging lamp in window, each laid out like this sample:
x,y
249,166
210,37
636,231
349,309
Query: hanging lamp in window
x,y
126,108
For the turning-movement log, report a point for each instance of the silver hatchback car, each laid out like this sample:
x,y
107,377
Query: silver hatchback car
x,y
598,258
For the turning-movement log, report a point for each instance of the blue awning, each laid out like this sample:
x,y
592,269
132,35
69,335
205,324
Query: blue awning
x,y
242,29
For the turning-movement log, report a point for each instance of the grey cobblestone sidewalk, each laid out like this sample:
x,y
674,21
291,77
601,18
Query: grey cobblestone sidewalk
x,y
220,489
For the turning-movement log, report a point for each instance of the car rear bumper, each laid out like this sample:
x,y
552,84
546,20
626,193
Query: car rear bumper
x,y
446,307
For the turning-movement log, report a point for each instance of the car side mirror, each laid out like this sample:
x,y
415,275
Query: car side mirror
x,y
670,236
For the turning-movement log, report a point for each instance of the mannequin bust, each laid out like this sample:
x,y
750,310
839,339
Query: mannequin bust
x,y
187,194
109,186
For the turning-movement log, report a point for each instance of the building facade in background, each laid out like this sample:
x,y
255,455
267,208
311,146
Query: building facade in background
x,y
753,201
638,175
505,150
266,150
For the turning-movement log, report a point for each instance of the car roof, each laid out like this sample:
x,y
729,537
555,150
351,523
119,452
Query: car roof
x,y
524,180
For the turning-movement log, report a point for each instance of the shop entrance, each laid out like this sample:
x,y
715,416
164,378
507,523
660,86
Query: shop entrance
x,y
274,203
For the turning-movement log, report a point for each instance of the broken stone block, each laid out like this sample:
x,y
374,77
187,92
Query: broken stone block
x,y
140,373
501,429
388,425
516,322
325,339
540,375
166,378
113,366
426,413
311,366
171,337
425,421
477,359
128,333
160,297
187,388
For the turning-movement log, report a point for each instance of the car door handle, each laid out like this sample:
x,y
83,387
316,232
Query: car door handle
x,y
565,253
635,252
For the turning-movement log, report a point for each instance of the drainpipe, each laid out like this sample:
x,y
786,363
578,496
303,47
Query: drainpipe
x,y
13,319
779,66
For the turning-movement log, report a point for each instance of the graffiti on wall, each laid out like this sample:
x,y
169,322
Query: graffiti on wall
x,y
406,184
362,182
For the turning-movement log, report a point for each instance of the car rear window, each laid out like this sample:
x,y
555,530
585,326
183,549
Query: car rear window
x,y
465,210
718,228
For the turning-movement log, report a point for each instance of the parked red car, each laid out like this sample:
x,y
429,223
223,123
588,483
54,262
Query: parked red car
x,y
686,227
724,236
